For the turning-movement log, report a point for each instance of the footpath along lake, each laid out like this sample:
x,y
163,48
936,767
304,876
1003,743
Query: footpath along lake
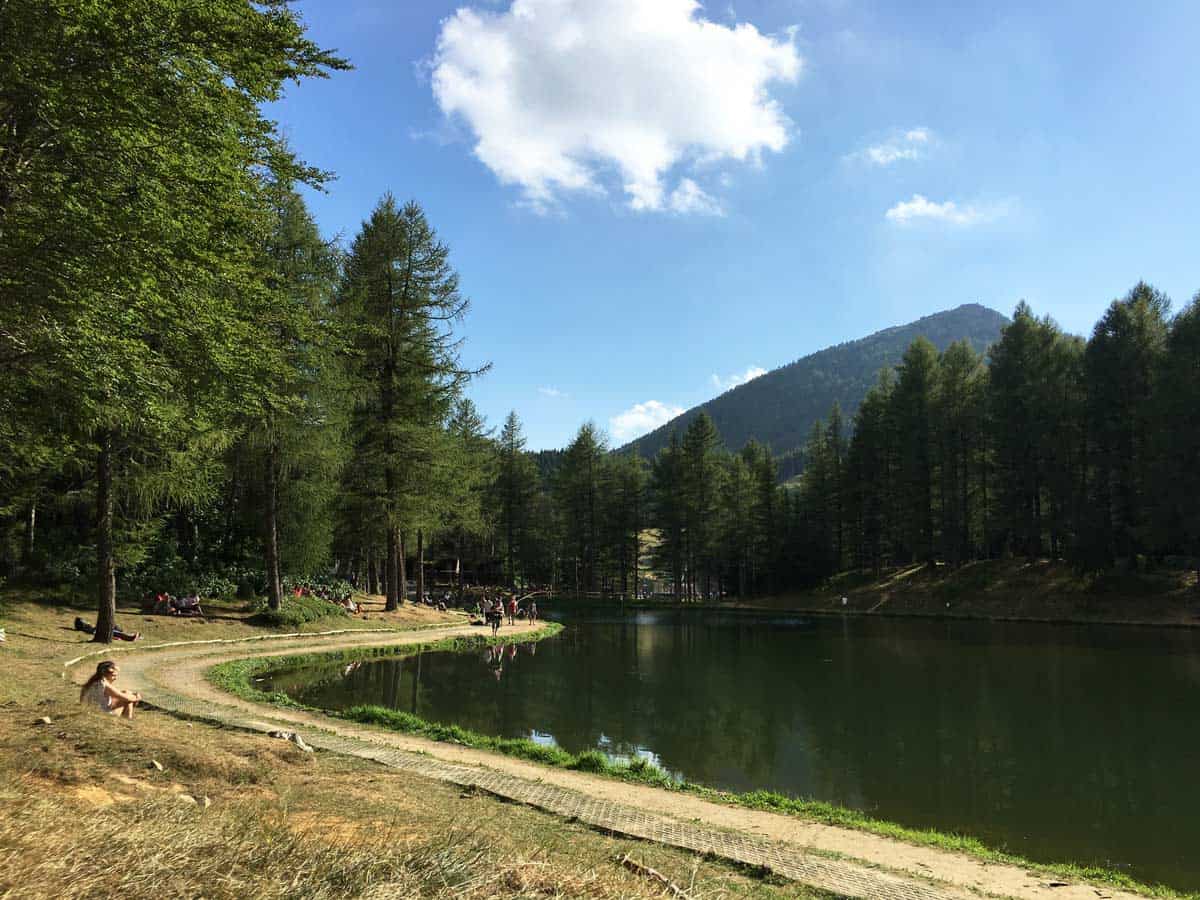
x,y
1059,743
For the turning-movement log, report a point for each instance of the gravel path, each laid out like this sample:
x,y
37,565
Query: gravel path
x,y
842,861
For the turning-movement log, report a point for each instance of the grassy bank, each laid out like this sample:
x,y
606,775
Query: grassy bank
x,y
87,815
1010,590
238,678
994,590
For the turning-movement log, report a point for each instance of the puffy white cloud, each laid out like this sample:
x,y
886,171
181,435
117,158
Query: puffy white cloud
x,y
725,384
689,197
553,393
642,417
911,144
922,208
561,93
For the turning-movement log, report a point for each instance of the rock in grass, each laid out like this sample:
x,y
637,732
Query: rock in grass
x,y
205,802
294,738
44,720
156,765
186,798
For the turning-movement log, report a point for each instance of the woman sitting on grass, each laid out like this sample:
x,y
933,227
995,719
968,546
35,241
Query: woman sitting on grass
x,y
99,692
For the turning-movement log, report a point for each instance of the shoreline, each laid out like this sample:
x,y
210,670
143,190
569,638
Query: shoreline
x,y
1037,592
236,677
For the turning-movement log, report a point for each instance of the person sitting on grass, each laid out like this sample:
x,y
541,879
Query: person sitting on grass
x,y
101,693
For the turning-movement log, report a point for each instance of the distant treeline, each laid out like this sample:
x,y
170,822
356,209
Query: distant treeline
x,y
1049,446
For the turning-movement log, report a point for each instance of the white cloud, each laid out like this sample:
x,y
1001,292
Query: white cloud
x,y
920,207
911,144
560,94
641,418
553,393
725,384
689,197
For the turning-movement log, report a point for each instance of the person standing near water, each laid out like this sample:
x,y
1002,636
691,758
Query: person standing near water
x,y
532,610
512,610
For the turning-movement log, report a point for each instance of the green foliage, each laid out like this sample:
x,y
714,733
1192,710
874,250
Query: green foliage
x,y
297,611
398,303
135,178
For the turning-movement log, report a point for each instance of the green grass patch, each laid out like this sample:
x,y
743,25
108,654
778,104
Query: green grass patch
x,y
297,611
237,677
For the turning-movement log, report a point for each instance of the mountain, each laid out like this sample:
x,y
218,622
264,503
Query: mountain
x,y
780,407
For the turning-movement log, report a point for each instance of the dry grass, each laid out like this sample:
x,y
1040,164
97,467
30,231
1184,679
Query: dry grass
x,y
48,616
84,815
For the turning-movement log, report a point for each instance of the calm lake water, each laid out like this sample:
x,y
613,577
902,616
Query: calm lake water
x,y
1056,742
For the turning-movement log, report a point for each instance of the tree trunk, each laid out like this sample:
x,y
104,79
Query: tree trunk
x,y
372,573
274,583
30,532
395,567
420,565
386,571
402,567
105,554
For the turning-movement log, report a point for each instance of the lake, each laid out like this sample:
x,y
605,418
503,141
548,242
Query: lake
x,y
1059,743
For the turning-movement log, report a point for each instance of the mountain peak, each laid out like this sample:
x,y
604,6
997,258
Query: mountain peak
x,y
780,407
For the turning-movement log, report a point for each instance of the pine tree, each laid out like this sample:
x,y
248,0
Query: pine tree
x,y
399,302
1123,361
668,514
1176,466
577,490
912,413
516,484
959,425
701,453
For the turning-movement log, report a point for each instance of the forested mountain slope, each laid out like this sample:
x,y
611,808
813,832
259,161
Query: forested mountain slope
x,y
780,407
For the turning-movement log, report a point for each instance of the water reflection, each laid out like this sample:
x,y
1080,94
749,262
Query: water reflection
x,y
1058,742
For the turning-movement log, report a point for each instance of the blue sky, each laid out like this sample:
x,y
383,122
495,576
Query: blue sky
x,y
646,201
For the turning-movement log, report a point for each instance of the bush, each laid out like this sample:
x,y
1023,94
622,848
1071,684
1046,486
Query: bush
x,y
326,587
295,611
216,586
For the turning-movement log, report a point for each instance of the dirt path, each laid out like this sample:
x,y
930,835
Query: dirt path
x,y
173,677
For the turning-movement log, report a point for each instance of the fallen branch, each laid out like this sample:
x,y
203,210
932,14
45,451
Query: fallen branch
x,y
646,872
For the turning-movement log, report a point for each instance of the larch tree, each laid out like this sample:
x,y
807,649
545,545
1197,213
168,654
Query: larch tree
x,y
400,302
1123,361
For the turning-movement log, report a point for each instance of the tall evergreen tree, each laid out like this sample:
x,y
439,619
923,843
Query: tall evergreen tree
x,y
1123,361
912,411
959,425
1176,467
514,493
400,301
701,449
578,491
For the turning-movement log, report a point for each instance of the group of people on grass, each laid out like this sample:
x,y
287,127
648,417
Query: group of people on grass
x,y
493,611
167,605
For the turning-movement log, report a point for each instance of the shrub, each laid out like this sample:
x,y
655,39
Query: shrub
x,y
295,611
216,586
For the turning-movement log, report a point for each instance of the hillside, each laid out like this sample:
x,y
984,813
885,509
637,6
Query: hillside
x,y
780,407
